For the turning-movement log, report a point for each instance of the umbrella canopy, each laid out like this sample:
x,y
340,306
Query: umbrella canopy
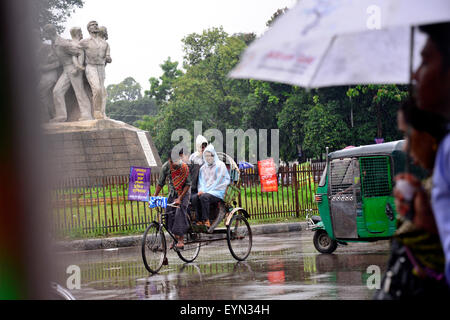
x,y
333,42
245,165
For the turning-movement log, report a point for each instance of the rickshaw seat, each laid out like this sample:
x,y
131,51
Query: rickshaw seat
x,y
316,219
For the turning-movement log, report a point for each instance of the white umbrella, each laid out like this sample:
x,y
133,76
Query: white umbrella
x,y
322,43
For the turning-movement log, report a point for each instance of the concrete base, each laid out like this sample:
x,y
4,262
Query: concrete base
x,y
99,148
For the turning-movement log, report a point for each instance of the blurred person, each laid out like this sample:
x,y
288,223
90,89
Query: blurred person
x,y
179,178
195,162
424,131
26,262
212,183
432,92
416,264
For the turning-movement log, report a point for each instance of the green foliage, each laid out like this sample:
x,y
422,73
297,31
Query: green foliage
x,y
204,93
324,128
290,121
246,37
309,121
198,47
381,103
277,13
127,90
125,102
55,12
162,89
131,111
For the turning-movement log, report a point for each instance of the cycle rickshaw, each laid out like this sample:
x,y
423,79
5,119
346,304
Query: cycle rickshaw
x,y
236,230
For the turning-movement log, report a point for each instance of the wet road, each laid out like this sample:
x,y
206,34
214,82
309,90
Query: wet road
x,y
280,266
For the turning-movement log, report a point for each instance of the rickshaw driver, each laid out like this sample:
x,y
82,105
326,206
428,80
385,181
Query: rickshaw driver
x,y
179,195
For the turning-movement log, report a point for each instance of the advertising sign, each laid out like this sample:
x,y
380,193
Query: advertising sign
x,y
268,175
139,187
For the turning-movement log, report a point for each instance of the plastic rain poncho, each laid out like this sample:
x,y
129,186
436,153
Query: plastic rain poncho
x,y
214,177
197,157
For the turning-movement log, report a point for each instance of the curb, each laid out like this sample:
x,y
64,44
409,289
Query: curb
x,y
131,241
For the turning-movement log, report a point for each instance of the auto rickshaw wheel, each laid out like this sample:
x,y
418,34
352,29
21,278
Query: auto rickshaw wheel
x,y
323,243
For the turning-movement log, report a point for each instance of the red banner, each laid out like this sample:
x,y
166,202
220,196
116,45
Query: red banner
x,y
268,175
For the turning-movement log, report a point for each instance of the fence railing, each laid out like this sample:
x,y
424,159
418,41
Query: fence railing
x,y
100,206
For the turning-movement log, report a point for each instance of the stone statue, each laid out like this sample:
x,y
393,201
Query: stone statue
x,y
49,66
77,36
97,55
70,56
103,33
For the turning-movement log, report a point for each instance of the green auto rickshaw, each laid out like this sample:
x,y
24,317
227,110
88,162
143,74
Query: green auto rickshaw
x,y
355,195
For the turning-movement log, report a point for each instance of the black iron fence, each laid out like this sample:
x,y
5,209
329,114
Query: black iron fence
x,y
91,207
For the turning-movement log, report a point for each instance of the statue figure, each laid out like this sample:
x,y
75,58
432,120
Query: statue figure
x,y
48,67
70,57
103,33
77,36
97,55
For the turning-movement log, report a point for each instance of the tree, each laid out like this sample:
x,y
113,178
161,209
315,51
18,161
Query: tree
x,y
380,102
324,128
198,47
206,83
128,90
246,37
55,12
125,102
308,121
290,121
277,13
131,111
204,92
162,89
268,99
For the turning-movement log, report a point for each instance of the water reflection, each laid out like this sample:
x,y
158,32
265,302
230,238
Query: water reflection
x,y
277,274
291,269
187,282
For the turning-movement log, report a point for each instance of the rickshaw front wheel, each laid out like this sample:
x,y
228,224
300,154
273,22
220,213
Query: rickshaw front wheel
x,y
153,247
191,248
323,243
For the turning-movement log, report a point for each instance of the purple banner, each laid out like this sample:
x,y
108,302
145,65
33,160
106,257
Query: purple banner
x,y
139,187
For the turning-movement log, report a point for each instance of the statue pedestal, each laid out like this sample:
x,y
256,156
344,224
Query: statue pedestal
x,y
99,148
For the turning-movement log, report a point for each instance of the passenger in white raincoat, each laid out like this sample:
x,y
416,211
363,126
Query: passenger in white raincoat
x,y
212,183
196,161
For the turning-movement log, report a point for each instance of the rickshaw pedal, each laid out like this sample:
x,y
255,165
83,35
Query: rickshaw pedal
x,y
199,229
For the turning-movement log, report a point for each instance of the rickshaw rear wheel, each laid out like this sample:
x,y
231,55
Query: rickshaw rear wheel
x,y
323,243
239,237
